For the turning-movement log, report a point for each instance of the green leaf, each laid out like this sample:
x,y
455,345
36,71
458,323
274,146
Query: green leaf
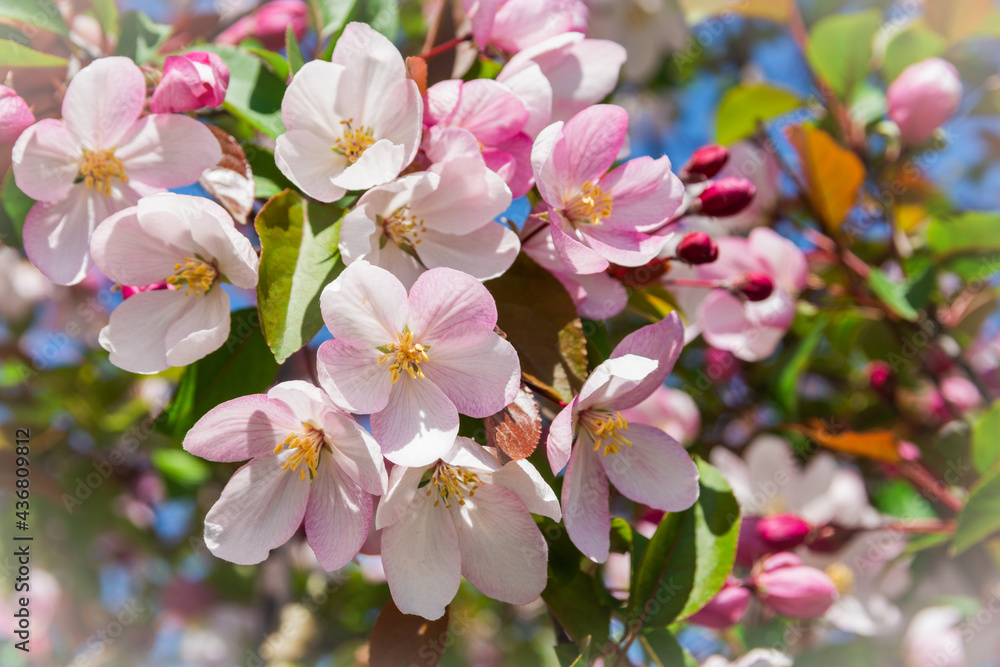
x,y
893,294
899,498
382,15
662,647
333,14
141,37
787,388
971,232
42,14
255,92
986,440
980,517
107,14
575,604
688,558
744,106
268,179
909,47
14,207
867,104
273,60
181,467
840,48
295,58
299,257
569,655
599,346
243,365
14,54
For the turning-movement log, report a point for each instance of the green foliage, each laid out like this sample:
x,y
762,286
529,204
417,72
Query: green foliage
x,y
986,440
972,232
299,257
333,15
662,647
577,607
787,387
909,47
42,14
181,467
107,13
840,48
903,298
295,58
743,107
14,54
980,517
141,37
255,91
14,207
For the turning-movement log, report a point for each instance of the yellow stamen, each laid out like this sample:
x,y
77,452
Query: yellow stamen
x,y
354,142
408,356
606,430
404,228
592,205
196,275
452,484
99,167
842,576
306,445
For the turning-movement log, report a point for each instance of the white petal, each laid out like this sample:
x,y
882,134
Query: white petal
x,y
350,374
528,485
419,424
480,375
356,451
655,470
613,378
337,516
365,304
585,502
402,491
137,330
103,100
199,330
310,162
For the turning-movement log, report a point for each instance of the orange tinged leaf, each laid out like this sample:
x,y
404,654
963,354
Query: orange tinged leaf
x,y
696,11
833,174
416,69
878,445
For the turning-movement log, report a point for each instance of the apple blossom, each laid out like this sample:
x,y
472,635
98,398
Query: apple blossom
x,y
597,217
309,460
15,115
191,244
922,97
269,23
671,410
352,123
99,159
465,514
726,608
439,217
789,588
190,81
933,639
513,25
414,362
644,463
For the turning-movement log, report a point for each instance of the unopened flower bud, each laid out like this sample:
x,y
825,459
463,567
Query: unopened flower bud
x,y
922,97
830,538
756,286
725,609
726,196
908,451
697,248
782,532
267,25
882,379
787,587
706,162
191,81
15,116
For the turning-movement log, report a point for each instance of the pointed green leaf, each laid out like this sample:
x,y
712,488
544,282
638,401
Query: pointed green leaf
x,y
42,14
986,440
980,517
840,48
743,107
14,54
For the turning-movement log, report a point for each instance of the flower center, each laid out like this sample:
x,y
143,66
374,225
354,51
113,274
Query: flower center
x,y
354,142
99,167
408,356
404,228
452,484
842,576
194,274
592,204
606,429
306,445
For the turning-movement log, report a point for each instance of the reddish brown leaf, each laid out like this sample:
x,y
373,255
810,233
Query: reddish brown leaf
x,y
416,69
878,445
402,640
515,430
231,180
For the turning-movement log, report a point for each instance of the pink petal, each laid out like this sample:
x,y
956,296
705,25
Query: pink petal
x,y
402,491
445,304
483,254
725,325
548,182
585,503
615,378
350,374
597,295
513,156
527,484
261,508
200,330
646,193
380,163
589,144
168,150
418,425
309,162
623,246
240,429
534,90
655,470
787,263
125,252
483,13
562,432
356,452
337,517
577,257
103,101
15,116
523,23
365,304
441,100
46,160
503,553
479,375
490,110
662,342
422,562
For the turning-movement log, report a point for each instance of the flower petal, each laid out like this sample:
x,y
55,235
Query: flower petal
x,y
527,484
490,110
578,257
725,325
168,150
200,329
240,429
646,193
588,146
310,102
447,304
585,502
615,378
46,160
127,253
337,516
365,304
480,374
419,424
535,91
352,377
561,436
103,100
655,470
356,452
625,247
308,160
483,254
261,508
661,342
380,163
392,506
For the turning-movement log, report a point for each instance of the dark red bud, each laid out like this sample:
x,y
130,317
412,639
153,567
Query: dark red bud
x,y
882,379
756,286
707,161
726,196
782,532
698,248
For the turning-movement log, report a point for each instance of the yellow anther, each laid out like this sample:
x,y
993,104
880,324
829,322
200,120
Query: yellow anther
x,y
606,429
99,167
407,354
194,274
592,205
452,484
306,445
404,228
842,576
354,142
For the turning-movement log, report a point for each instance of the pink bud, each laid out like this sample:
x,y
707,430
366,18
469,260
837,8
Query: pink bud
x,y
908,451
882,379
15,116
697,248
961,393
720,365
787,587
756,286
923,97
707,161
750,547
725,609
191,81
726,196
784,531
268,24
132,290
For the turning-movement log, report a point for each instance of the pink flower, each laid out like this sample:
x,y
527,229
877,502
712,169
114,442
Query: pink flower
x,y
787,587
99,159
644,463
726,608
580,72
922,97
472,518
513,25
15,115
439,217
414,362
353,123
308,460
597,217
670,410
961,392
269,24
191,244
190,81
933,639
495,116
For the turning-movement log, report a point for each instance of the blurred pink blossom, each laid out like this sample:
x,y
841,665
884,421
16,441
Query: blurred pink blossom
x,y
190,81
